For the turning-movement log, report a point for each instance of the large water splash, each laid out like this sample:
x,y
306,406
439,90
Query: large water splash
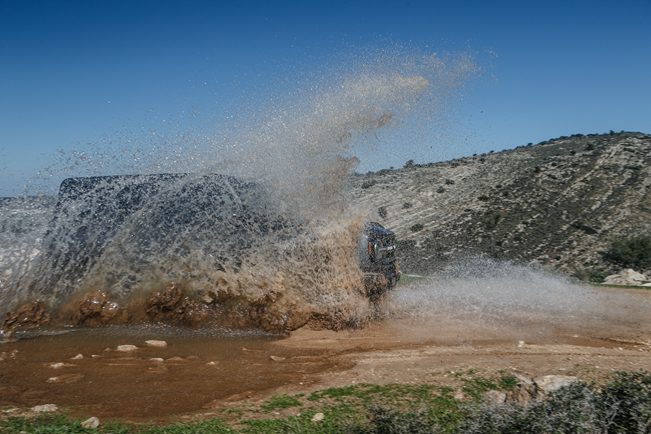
x,y
296,147
479,295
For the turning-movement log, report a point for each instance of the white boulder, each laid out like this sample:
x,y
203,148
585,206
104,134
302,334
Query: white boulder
x,y
626,277
45,408
551,383
93,422
154,343
494,397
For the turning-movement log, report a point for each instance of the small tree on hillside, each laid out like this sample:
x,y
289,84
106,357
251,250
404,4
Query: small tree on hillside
x,y
630,253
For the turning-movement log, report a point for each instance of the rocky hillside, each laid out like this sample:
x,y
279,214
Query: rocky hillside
x,y
558,203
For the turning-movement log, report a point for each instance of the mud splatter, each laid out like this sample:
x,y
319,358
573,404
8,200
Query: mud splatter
x,y
27,316
174,307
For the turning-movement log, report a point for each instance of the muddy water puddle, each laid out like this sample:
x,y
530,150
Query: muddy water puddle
x,y
83,369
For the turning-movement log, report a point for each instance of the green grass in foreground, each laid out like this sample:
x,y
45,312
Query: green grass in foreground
x,y
621,406
283,401
57,424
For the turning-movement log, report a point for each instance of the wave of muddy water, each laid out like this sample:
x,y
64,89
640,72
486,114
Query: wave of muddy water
x,y
170,241
273,289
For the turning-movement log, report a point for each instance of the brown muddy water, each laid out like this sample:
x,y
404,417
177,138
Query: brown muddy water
x,y
195,368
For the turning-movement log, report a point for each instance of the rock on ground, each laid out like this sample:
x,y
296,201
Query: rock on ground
x,y
626,277
93,422
527,390
494,397
126,348
66,379
523,393
60,365
154,343
45,408
551,383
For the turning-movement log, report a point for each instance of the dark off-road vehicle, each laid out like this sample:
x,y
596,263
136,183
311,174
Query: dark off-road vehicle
x,y
377,258
158,216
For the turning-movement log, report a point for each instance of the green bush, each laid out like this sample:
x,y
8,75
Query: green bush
x,y
440,190
630,253
585,228
626,402
409,164
406,205
571,409
449,182
491,220
369,184
593,276
622,406
417,227
382,212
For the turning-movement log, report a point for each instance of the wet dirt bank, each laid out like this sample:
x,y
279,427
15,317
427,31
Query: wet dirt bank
x,y
200,372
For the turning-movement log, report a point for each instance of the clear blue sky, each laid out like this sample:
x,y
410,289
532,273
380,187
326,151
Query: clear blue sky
x,y
74,71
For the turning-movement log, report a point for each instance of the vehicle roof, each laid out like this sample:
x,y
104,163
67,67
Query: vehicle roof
x,y
377,230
